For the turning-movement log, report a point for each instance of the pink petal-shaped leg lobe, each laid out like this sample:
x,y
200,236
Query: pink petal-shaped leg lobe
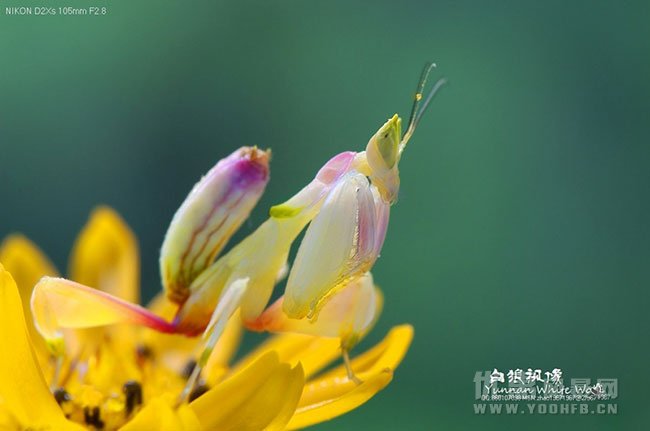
x,y
59,303
348,315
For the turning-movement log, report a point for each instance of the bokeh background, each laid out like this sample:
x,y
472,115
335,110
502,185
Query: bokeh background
x,y
521,235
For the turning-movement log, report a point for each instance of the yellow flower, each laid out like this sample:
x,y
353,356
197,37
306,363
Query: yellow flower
x,y
129,378
82,352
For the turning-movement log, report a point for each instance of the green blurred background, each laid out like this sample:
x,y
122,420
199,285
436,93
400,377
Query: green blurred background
x,y
520,238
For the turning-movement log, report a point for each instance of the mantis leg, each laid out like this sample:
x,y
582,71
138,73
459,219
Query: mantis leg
x,y
348,315
348,366
228,303
58,303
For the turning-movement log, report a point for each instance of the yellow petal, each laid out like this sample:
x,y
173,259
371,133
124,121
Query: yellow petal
x,y
339,402
22,387
27,264
25,261
262,396
7,420
314,353
333,394
159,414
105,256
188,418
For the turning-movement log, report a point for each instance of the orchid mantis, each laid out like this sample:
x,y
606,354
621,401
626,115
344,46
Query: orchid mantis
x,y
329,292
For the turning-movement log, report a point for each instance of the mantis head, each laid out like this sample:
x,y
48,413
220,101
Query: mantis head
x,y
382,154
385,148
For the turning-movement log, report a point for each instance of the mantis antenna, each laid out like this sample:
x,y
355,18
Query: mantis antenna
x,y
419,107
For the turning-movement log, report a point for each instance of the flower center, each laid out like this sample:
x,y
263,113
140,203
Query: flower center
x,y
88,406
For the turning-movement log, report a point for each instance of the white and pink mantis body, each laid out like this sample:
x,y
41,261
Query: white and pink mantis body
x,y
329,292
